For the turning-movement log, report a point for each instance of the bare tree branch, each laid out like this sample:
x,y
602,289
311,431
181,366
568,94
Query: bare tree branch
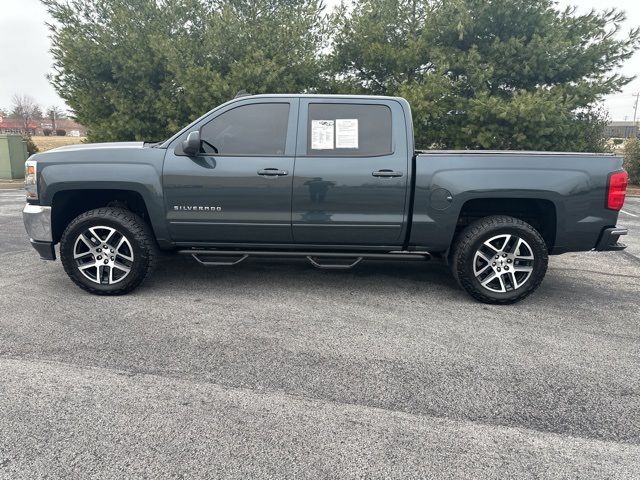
x,y
25,108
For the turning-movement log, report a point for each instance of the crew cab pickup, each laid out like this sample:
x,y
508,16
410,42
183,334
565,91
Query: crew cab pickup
x,y
335,179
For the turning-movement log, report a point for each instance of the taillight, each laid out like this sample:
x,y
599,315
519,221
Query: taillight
x,y
617,189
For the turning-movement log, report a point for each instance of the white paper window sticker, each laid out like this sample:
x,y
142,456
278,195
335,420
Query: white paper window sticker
x,y
347,133
322,135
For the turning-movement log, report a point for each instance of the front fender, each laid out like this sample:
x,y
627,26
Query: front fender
x,y
144,179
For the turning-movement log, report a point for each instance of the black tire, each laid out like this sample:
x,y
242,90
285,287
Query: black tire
x,y
140,245
470,251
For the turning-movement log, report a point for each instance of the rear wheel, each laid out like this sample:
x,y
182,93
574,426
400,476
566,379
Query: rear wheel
x,y
499,259
108,251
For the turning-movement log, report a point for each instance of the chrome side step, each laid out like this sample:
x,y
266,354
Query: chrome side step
x,y
333,266
322,260
220,263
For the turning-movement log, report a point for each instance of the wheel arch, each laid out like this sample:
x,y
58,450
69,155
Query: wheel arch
x,y
68,204
541,214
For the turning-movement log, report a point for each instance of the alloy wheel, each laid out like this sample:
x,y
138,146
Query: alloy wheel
x,y
503,263
103,255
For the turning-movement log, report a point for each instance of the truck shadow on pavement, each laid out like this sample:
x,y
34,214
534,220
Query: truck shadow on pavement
x,y
433,278
280,274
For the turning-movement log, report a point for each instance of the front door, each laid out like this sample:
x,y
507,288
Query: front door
x,y
239,188
352,171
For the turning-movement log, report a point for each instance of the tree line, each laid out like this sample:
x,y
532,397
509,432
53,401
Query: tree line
x,y
26,109
508,74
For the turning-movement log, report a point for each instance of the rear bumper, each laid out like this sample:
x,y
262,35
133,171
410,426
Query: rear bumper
x,y
37,223
609,239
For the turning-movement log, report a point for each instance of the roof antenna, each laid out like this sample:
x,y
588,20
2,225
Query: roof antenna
x,y
242,93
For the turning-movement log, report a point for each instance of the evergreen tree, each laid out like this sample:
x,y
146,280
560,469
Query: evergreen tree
x,y
517,74
141,69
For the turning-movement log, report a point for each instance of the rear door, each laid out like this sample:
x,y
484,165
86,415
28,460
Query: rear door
x,y
239,188
351,172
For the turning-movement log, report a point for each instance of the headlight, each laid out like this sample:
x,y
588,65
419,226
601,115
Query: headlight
x,y
31,179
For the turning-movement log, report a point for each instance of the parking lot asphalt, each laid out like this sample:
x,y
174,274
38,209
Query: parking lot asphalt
x,y
273,369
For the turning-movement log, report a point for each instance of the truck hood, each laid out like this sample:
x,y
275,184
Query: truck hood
x,y
98,146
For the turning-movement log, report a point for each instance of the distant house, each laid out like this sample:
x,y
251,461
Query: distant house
x,y
619,129
37,127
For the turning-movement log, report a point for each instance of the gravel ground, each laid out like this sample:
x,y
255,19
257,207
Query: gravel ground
x,y
273,369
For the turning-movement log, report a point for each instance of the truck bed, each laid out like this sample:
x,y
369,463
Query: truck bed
x,y
570,187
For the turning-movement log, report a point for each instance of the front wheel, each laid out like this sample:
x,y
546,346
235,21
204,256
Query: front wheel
x,y
108,251
499,259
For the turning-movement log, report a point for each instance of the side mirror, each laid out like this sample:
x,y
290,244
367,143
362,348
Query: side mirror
x,y
191,146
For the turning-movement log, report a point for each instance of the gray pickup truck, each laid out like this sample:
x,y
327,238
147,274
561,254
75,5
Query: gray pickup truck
x,y
334,179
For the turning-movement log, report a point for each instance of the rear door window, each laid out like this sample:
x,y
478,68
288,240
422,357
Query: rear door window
x,y
348,130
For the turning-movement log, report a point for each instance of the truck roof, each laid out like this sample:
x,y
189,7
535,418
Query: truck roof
x,y
320,95
510,152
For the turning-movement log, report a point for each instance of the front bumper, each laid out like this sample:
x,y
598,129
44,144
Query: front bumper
x,y
609,239
37,222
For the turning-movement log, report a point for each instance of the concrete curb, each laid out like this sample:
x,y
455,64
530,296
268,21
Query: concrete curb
x,y
17,184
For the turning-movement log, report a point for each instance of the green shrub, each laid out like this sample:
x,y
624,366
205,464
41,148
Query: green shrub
x,y
632,160
31,146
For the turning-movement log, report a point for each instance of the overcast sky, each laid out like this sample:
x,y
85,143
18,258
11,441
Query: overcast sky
x,y
25,59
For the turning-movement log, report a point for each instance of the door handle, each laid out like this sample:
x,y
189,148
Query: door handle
x,y
386,173
272,172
